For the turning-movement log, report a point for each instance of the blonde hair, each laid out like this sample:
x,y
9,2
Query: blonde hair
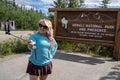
x,y
49,34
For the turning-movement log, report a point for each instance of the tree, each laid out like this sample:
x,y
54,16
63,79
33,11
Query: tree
x,y
67,3
57,4
73,4
24,19
81,2
104,3
60,3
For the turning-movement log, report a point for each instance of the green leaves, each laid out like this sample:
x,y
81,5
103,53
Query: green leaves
x,y
67,3
24,19
91,49
12,46
104,3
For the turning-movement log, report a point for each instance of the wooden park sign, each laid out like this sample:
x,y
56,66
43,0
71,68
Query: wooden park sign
x,y
96,26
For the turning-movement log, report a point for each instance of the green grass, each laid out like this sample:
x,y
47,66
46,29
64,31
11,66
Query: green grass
x,y
12,46
15,46
91,49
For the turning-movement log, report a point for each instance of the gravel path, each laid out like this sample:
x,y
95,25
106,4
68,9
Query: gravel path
x,y
66,66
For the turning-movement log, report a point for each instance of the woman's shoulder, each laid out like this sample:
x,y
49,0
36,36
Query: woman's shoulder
x,y
34,34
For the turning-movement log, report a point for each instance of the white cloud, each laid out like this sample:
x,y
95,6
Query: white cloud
x,y
43,5
97,1
92,1
20,1
117,5
28,7
115,1
47,1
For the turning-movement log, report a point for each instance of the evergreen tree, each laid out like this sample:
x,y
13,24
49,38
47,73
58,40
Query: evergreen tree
x,y
57,4
73,4
24,19
80,3
67,3
104,3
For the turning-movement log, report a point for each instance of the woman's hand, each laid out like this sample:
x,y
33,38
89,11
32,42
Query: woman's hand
x,y
51,56
31,43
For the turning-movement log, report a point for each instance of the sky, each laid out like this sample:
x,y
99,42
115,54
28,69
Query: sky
x,y
43,5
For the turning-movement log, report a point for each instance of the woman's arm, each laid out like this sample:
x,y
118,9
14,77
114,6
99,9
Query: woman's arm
x,y
54,49
32,42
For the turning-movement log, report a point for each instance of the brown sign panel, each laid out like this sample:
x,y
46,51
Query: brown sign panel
x,y
96,26
93,26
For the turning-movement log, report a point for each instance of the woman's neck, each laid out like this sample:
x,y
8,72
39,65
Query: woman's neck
x,y
42,34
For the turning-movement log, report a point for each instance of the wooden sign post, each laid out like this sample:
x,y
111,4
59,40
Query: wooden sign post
x,y
96,26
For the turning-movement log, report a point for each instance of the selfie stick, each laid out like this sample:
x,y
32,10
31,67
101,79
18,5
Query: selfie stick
x,y
7,31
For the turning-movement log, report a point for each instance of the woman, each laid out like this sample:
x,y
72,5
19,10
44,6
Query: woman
x,y
43,47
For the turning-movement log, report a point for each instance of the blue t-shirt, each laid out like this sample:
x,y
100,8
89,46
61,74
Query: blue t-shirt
x,y
41,51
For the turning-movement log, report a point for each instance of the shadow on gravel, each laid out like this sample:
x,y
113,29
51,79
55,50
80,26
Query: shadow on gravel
x,y
79,59
114,74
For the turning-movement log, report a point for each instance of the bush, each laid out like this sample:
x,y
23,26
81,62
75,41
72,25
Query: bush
x,y
13,46
105,51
